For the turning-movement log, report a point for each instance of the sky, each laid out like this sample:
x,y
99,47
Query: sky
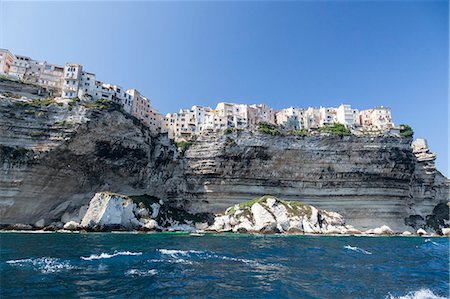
x,y
281,53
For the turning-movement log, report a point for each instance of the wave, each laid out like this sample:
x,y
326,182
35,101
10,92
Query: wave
x,y
357,249
432,242
179,256
179,252
420,294
43,264
108,256
137,272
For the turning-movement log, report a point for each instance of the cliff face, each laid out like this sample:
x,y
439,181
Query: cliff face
x,y
370,181
54,158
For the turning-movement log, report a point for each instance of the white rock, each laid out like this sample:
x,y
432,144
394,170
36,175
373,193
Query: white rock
x,y
201,226
71,225
261,216
221,223
446,231
421,232
280,213
383,230
150,224
40,223
406,233
110,209
155,209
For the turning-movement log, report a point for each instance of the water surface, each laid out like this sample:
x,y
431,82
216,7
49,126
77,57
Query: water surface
x,y
99,265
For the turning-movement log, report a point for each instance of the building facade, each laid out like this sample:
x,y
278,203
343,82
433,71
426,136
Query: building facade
x,y
6,61
376,119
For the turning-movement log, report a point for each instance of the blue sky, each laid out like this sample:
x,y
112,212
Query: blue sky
x,y
289,53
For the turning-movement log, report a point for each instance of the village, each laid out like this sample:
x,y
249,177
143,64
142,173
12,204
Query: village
x,y
72,81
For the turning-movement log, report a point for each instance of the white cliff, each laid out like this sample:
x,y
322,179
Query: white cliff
x,y
269,214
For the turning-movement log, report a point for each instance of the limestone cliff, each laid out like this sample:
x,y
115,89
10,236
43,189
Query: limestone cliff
x,y
56,155
369,180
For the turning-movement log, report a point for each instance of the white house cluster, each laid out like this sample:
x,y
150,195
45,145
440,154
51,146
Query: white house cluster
x,y
71,80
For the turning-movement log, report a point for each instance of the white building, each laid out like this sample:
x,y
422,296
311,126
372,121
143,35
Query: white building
x,y
347,116
142,109
290,118
236,115
20,66
311,118
72,80
259,113
327,116
6,61
376,119
51,75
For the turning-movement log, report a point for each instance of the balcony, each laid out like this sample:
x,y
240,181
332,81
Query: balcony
x,y
70,88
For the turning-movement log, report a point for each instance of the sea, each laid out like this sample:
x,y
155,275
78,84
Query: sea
x,y
183,265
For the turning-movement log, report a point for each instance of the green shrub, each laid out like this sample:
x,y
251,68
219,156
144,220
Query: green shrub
x,y
230,142
406,131
228,131
301,132
37,102
267,128
338,129
183,145
11,95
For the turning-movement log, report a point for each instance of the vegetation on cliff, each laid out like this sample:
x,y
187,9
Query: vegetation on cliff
x,y
267,128
183,145
406,131
338,129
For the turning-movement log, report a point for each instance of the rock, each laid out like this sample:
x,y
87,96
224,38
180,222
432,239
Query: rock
x,y
201,226
383,230
155,209
21,226
406,233
71,225
446,231
294,230
109,210
150,224
269,215
40,223
262,217
421,232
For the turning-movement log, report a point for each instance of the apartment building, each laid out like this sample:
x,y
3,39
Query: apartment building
x,y
236,115
258,113
142,109
19,67
71,80
51,75
376,119
6,61
290,118
347,116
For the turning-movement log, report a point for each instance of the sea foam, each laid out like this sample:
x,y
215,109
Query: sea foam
x,y
108,256
420,294
137,272
357,249
43,264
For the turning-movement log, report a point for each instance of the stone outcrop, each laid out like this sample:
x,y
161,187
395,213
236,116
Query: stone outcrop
x,y
269,214
54,157
111,210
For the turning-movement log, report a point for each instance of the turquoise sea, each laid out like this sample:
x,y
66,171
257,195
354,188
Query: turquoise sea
x,y
127,265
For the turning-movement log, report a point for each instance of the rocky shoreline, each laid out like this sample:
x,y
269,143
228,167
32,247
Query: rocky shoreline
x,y
110,212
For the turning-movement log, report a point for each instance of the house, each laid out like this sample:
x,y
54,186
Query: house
x,y
6,61
376,118
347,116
